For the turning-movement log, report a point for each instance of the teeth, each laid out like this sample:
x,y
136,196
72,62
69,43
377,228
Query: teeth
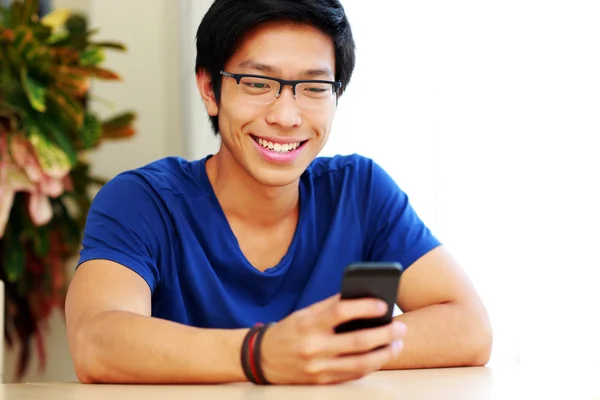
x,y
278,147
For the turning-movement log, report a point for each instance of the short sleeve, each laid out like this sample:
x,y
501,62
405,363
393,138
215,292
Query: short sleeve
x,y
394,230
124,225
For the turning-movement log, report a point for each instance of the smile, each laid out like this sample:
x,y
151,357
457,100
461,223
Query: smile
x,y
279,147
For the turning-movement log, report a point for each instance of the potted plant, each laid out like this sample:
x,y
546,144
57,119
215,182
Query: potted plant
x,y
46,128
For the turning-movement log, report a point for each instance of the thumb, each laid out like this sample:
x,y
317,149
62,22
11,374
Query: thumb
x,y
320,309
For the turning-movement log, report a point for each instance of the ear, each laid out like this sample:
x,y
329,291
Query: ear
x,y
205,87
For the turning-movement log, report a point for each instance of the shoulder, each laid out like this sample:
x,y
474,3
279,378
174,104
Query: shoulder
x,y
171,174
352,170
340,166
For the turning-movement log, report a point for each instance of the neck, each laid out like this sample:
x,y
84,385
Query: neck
x,y
242,197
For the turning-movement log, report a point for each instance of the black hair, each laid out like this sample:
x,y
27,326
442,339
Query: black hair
x,y
228,21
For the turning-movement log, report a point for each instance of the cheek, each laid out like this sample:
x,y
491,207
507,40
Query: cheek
x,y
235,114
322,122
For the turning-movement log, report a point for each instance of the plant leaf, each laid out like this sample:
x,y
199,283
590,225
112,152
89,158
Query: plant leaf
x,y
72,84
24,41
28,11
110,45
119,127
14,255
96,72
119,121
41,241
41,32
47,124
56,18
91,131
39,63
53,160
36,93
68,105
91,57
16,13
5,16
77,24
57,37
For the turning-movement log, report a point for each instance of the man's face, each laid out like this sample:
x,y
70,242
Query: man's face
x,y
275,142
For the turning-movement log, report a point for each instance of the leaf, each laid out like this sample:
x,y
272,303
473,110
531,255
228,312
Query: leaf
x,y
41,241
5,16
56,18
14,255
119,127
41,32
30,8
7,36
91,131
72,84
119,121
96,72
24,41
16,13
39,63
64,56
48,126
110,45
57,37
91,57
34,90
77,24
53,160
67,104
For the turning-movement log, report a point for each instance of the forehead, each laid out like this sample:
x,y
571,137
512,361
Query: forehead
x,y
286,49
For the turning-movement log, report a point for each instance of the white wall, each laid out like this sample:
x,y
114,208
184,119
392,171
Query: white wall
x,y
151,86
492,109
198,136
486,113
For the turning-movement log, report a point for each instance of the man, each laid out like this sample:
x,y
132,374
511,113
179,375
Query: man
x,y
181,258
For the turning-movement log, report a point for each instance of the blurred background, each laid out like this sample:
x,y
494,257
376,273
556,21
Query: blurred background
x,y
486,113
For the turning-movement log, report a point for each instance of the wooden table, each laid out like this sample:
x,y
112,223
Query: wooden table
x,y
456,383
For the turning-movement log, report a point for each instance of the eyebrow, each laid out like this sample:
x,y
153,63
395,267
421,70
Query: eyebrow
x,y
313,72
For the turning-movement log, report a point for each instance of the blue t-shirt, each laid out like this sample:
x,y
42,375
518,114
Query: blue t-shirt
x,y
164,222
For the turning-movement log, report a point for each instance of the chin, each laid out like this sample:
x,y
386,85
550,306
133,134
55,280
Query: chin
x,y
273,177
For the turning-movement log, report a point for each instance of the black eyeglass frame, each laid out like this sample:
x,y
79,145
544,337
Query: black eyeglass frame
x,y
282,82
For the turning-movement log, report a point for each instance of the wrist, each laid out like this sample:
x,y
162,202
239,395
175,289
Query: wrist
x,y
251,356
233,339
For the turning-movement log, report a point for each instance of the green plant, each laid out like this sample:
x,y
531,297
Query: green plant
x,y
46,128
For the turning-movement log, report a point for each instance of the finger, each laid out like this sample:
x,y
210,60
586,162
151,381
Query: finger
x,y
363,340
310,318
348,310
325,304
358,365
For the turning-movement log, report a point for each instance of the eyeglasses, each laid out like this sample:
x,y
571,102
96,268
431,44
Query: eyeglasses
x,y
265,90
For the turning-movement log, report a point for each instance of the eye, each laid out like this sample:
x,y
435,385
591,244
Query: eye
x,y
316,89
258,85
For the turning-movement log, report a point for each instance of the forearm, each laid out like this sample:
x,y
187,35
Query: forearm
x,y
121,347
444,335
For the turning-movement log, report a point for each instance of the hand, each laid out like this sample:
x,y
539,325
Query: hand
x,y
304,348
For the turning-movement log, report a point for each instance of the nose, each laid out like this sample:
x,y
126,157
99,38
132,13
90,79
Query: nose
x,y
284,111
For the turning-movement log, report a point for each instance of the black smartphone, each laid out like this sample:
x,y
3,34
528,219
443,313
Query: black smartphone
x,y
371,280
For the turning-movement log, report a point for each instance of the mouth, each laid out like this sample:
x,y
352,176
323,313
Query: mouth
x,y
279,147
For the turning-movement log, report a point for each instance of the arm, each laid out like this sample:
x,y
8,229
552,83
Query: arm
x,y
113,339
447,323
446,320
111,334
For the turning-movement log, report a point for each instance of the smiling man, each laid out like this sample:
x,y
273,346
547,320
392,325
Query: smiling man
x,y
227,268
